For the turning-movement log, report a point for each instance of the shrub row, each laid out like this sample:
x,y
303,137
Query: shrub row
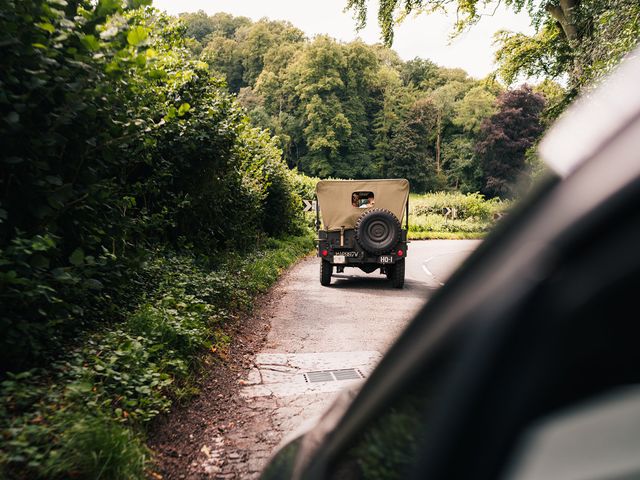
x,y
438,223
114,141
471,205
474,216
84,416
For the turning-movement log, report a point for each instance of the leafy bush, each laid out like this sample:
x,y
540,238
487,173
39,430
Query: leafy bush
x,y
470,216
94,447
259,273
64,420
114,141
472,205
304,185
438,223
128,177
262,160
64,443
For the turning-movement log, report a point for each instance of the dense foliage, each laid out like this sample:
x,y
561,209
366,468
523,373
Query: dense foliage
x,y
506,137
114,139
453,215
351,110
144,196
139,211
82,415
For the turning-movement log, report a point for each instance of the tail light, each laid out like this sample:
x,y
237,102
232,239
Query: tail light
x,y
400,253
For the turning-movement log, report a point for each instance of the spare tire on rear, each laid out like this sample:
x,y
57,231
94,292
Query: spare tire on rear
x,y
378,231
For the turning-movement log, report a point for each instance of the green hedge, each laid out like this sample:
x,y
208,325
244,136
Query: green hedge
x,y
114,141
84,415
304,185
471,205
474,215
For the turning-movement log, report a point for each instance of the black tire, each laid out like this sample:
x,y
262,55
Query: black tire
x,y
326,269
397,274
378,231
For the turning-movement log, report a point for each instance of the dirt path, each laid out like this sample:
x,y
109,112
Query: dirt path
x,y
265,388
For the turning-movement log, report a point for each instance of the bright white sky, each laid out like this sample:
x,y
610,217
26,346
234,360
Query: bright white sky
x,y
420,36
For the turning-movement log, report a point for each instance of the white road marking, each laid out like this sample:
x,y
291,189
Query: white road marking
x,y
429,272
426,270
433,275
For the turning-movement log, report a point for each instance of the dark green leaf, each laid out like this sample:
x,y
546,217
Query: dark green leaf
x,y
53,180
107,7
77,257
94,284
12,118
90,42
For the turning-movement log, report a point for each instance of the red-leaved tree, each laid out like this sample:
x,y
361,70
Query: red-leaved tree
x,y
505,138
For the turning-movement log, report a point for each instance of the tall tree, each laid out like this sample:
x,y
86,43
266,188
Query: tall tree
x,y
477,104
257,39
395,101
582,39
223,56
461,165
410,155
236,48
353,110
505,138
320,87
200,25
418,71
444,99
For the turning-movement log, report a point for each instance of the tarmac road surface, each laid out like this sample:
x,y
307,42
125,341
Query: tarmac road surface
x,y
359,311
323,339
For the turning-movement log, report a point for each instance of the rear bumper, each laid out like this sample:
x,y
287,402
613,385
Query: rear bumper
x,y
334,245
354,258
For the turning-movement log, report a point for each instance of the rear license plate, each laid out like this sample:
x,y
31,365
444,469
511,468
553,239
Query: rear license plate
x,y
339,259
386,259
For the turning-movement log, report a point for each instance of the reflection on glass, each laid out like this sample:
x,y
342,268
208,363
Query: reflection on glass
x,y
362,199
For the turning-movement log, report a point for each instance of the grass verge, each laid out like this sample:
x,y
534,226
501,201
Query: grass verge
x,y
452,215
84,416
446,235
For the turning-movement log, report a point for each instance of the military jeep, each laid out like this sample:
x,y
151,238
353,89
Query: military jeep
x,y
361,227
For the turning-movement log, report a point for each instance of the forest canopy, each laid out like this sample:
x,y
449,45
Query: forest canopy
x,y
115,139
579,40
352,110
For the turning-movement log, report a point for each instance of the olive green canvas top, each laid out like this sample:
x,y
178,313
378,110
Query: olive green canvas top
x,y
336,199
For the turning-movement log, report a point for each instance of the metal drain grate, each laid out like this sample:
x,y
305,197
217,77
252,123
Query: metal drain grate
x,y
332,375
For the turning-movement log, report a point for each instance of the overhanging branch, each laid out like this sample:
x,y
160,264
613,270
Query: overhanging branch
x,y
564,15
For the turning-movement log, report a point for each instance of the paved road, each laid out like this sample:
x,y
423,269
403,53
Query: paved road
x,y
315,329
313,318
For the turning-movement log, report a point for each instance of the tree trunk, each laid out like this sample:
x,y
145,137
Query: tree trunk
x,y
564,14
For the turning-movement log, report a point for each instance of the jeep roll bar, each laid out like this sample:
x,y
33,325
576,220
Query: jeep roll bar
x,y
406,216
